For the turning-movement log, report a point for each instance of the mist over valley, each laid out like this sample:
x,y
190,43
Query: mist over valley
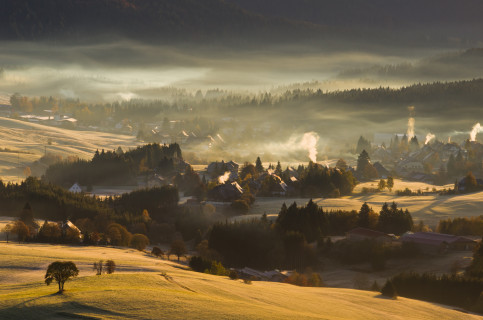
x,y
218,158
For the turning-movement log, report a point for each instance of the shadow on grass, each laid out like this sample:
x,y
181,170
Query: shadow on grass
x,y
180,266
64,310
380,296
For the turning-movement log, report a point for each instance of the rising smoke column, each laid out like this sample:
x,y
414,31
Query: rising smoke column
x,y
411,121
429,137
476,129
224,178
309,142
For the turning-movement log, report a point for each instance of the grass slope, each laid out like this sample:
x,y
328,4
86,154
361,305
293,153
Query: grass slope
x,y
33,138
429,208
161,289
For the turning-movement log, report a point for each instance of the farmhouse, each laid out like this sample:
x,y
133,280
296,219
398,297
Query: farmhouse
x,y
68,227
381,171
75,188
360,234
226,192
221,167
432,242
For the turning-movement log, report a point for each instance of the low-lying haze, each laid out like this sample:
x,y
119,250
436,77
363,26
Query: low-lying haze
x,y
126,69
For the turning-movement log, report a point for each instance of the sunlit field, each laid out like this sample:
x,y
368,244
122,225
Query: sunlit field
x,y
34,140
428,208
152,288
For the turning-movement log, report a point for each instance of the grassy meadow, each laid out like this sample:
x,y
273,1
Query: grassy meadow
x,y
429,208
145,287
32,141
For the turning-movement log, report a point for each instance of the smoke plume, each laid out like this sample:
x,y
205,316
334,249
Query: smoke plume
x,y
411,121
224,178
309,142
476,129
429,137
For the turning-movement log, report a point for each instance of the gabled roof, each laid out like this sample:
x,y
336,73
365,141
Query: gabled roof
x,y
75,188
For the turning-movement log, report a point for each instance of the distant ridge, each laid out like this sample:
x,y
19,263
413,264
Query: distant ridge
x,y
356,22
145,20
411,21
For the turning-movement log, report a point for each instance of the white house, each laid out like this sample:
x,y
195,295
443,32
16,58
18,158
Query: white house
x,y
75,188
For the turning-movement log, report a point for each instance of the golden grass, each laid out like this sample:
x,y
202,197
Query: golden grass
x,y
430,208
34,138
165,291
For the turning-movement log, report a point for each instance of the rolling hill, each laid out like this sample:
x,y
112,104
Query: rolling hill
x,y
150,288
466,64
145,20
24,142
395,22
390,15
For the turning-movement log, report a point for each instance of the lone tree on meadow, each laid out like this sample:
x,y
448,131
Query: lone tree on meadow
x,y
61,272
178,248
110,266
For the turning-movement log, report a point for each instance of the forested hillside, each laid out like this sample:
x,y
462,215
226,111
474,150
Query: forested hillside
x,y
240,21
428,20
159,21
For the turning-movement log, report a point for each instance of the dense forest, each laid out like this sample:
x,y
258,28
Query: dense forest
x,y
450,66
117,167
446,289
286,242
376,14
269,20
49,201
152,212
210,112
143,20
462,226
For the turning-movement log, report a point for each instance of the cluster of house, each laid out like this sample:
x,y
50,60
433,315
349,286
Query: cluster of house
x,y
229,189
427,242
413,165
175,131
50,119
65,226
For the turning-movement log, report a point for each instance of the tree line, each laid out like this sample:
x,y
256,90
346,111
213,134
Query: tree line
x,y
286,242
116,167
